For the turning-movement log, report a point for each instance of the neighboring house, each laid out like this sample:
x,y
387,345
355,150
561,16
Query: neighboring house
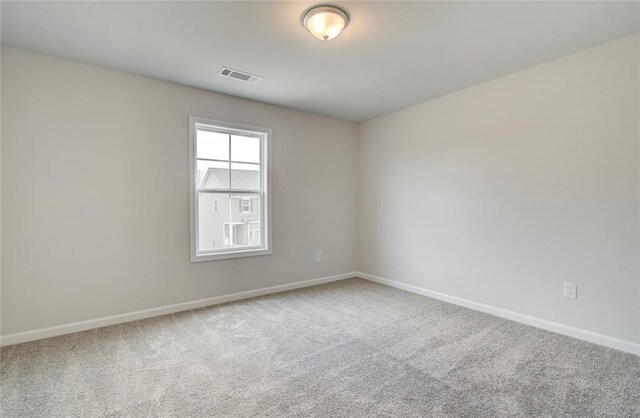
x,y
228,220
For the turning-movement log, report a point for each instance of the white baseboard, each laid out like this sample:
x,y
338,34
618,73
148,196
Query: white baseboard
x,y
593,337
607,341
39,334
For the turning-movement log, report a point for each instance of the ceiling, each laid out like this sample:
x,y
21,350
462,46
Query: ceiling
x,y
392,55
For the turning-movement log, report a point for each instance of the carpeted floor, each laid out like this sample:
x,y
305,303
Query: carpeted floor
x,y
351,348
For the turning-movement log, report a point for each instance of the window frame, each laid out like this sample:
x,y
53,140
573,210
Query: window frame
x,y
264,134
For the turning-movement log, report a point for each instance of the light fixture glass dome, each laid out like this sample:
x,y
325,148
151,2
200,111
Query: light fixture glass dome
x,y
325,21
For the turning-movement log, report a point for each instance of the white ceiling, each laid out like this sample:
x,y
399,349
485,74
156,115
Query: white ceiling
x,y
393,54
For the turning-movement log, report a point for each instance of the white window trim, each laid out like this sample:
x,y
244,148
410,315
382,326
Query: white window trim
x,y
222,254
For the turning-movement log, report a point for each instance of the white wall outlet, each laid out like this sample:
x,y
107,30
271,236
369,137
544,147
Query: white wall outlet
x,y
318,256
570,290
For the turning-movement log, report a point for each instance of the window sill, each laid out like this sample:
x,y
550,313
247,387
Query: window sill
x,y
197,258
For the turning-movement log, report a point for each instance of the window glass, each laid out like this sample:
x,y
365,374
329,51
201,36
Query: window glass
x,y
245,149
213,145
245,176
212,174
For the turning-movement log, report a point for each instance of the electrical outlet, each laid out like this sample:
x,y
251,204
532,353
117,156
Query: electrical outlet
x,y
318,256
570,290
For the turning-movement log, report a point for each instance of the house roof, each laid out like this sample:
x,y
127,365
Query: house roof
x,y
218,178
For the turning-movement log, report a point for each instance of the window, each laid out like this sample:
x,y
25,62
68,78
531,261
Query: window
x,y
230,212
246,205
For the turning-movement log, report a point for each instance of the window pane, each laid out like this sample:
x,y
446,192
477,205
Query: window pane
x,y
212,175
245,176
245,149
213,145
222,224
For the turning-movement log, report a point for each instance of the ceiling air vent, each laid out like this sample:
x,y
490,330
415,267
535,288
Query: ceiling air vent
x,y
239,75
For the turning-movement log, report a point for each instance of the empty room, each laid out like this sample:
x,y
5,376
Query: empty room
x,y
304,209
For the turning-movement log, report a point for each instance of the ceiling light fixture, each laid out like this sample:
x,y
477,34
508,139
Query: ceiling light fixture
x,y
325,21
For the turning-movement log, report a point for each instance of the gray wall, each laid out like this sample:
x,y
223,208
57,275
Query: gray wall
x,y
95,194
212,221
501,192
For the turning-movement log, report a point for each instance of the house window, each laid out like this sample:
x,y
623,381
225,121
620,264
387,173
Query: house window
x,y
230,212
246,205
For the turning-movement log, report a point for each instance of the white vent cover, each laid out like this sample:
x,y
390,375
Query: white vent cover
x,y
239,75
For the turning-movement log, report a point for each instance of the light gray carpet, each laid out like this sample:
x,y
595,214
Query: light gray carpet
x,y
351,348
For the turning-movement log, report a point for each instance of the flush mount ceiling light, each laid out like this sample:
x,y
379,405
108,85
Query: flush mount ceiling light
x,y
325,21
